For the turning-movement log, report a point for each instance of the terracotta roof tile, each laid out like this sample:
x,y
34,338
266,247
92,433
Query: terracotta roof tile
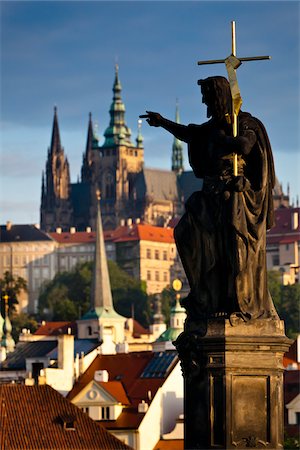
x,y
79,237
170,444
116,389
125,367
128,368
56,328
36,417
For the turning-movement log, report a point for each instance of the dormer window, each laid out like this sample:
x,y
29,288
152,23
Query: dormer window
x,y
105,412
68,421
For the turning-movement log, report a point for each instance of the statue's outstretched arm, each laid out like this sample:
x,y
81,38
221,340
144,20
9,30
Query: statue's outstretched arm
x,y
155,119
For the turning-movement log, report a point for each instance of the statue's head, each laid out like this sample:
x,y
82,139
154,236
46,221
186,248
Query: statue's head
x,y
217,96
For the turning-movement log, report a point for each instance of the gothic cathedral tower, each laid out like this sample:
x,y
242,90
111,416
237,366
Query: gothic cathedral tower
x,y
56,210
119,163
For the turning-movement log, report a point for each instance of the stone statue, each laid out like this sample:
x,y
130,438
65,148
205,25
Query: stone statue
x,y
221,238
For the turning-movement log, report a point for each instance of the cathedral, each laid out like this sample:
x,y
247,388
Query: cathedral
x,y
129,191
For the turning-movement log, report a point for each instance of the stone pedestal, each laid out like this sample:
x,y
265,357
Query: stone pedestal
x,y
234,384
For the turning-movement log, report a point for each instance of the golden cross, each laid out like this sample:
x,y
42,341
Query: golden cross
x,y
232,63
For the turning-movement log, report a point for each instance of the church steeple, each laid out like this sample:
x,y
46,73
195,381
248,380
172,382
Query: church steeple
x,y
55,146
117,133
55,198
92,144
177,152
101,298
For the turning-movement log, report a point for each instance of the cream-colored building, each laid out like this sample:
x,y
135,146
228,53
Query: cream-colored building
x,y
27,252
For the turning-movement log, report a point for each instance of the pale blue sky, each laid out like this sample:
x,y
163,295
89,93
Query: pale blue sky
x,y
63,53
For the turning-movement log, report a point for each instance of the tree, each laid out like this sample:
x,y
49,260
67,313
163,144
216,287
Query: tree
x,y
11,286
67,296
20,321
286,300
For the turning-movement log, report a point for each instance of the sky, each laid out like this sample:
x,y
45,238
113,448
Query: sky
x,y
63,53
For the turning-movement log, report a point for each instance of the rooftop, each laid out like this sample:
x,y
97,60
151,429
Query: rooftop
x,y
27,422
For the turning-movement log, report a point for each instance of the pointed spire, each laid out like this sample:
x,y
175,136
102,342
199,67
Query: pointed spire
x,y
158,317
101,297
139,139
55,140
117,133
177,151
92,144
7,340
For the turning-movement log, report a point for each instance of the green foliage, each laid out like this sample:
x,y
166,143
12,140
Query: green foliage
x,y
67,296
291,443
12,286
20,321
286,300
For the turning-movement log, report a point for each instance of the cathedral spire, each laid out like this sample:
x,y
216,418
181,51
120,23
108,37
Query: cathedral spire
x,y
101,298
177,152
117,133
92,144
55,140
139,139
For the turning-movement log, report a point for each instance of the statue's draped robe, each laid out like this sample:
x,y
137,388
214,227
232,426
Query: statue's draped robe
x,y
221,238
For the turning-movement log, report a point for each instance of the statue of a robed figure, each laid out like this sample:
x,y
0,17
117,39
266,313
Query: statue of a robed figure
x,y
233,342
221,238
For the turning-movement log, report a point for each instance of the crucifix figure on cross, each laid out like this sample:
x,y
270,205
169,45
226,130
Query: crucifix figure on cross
x,y
232,63
221,238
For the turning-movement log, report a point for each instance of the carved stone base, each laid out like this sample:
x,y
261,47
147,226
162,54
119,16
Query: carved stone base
x,y
234,384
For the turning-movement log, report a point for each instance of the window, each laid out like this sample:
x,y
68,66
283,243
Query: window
x,y
156,254
275,260
165,276
148,253
109,186
287,246
156,275
105,413
165,255
148,275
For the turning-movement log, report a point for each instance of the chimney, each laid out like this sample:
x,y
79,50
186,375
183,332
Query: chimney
x,y
72,230
101,375
29,381
122,222
66,352
37,226
88,229
42,378
143,407
295,220
8,225
58,230
137,221
129,222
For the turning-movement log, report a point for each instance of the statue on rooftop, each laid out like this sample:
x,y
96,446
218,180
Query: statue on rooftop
x,y
221,238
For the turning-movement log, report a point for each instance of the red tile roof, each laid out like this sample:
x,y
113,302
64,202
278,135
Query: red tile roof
x,y
170,444
126,368
116,389
56,328
79,237
283,220
135,232
35,417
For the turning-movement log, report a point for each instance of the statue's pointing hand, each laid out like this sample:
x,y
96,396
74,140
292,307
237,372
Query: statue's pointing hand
x,y
153,118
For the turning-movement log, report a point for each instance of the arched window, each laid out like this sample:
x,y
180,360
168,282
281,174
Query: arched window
x,y
109,185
